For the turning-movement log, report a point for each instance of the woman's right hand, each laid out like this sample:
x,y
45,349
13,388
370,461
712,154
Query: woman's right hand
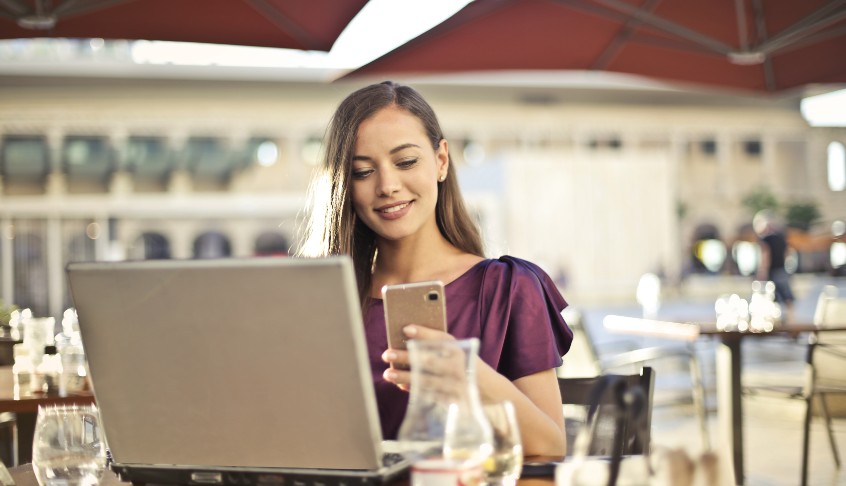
x,y
440,373
397,373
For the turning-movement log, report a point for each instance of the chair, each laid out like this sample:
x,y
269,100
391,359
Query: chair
x,y
825,363
8,438
584,347
826,360
577,391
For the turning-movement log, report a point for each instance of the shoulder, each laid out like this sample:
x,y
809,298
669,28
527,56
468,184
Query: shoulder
x,y
511,267
521,277
521,308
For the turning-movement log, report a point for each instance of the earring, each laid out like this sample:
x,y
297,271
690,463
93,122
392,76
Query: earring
x,y
442,178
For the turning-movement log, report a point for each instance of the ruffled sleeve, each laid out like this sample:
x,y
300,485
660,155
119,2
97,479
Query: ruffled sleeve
x,y
523,331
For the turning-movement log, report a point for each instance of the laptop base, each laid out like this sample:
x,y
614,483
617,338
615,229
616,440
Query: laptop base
x,y
221,476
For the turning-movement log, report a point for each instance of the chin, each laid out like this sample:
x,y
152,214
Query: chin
x,y
394,235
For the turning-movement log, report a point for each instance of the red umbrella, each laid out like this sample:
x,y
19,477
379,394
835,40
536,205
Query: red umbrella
x,y
296,24
759,45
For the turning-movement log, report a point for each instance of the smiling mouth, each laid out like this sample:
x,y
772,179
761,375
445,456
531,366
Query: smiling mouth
x,y
394,209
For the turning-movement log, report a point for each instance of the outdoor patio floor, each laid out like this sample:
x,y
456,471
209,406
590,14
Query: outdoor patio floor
x,y
772,426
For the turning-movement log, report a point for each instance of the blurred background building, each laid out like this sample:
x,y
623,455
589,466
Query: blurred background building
x,y
105,158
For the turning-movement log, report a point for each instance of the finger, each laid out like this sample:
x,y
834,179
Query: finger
x,y
397,377
447,363
413,331
449,388
439,378
396,357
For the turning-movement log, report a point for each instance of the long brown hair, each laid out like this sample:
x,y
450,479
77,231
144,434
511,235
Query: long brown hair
x,y
332,227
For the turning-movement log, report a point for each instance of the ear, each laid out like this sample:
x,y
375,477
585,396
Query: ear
x,y
442,156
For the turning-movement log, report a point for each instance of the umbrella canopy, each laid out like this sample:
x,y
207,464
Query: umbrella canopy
x,y
302,24
759,45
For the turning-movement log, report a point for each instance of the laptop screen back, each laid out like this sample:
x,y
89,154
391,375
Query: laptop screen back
x,y
238,362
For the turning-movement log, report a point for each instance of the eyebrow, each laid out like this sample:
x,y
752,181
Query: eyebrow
x,y
398,148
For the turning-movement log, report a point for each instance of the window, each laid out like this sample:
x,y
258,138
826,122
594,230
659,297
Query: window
x,y
78,242
708,250
272,243
837,252
836,166
711,253
212,244
148,157
150,246
87,157
29,250
24,158
311,150
752,148
262,151
208,158
746,255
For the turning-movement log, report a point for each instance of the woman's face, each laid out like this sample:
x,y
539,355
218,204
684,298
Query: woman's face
x,y
395,174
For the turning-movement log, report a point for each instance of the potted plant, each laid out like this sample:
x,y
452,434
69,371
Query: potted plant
x,y
802,215
760,199
6,313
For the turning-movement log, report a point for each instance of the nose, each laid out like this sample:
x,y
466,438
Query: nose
x,y
389,183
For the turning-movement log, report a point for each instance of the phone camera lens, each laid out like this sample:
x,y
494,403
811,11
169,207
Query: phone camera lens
x,y
432,296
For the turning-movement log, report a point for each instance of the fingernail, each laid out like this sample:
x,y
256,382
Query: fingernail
x,y
390,375
410,331
389,355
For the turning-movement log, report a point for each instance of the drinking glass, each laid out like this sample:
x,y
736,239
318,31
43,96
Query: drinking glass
x,y
68,447
503,467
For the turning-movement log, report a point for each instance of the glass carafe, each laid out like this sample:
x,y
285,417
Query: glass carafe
x,y
445,416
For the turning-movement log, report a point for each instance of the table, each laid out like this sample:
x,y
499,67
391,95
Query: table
x,y
26,409
729,364
24,476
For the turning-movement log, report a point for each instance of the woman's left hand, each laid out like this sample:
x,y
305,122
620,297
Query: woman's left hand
x,y
398,373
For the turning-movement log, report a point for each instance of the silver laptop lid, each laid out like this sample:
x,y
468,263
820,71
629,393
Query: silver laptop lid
x,y
238,362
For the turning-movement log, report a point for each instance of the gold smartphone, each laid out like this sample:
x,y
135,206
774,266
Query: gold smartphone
x,y
421,303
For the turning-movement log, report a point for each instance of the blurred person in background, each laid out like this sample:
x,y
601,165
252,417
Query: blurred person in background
x,y
773,242
388,197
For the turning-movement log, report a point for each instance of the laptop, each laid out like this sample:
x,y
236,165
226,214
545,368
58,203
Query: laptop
x,y
232,371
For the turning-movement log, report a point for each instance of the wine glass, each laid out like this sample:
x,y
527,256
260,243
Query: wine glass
x,y
503,467
68,447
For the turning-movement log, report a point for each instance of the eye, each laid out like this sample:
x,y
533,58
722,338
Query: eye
x,y
361,173
407,163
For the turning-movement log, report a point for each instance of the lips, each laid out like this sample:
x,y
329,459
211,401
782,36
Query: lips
x,y
394,211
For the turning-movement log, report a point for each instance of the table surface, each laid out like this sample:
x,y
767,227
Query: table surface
x,y
691,330
29,404
24,476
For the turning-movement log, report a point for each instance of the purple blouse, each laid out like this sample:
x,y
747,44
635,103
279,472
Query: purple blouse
x,y
511,305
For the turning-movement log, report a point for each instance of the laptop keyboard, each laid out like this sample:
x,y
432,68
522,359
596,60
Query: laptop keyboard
x,y
391,458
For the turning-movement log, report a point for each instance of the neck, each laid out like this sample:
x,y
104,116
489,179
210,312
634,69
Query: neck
x,y
426,255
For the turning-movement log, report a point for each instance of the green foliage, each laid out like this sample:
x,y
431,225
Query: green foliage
x,y
802,215
6,313
759,199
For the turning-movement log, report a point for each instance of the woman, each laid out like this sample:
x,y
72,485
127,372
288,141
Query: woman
x,y
389,198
